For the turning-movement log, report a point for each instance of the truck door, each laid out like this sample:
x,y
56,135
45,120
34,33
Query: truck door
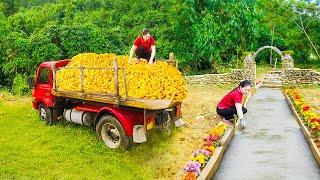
x,y
43,87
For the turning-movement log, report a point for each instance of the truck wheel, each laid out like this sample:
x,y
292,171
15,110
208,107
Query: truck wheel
x,y
46,114
166,122
111,132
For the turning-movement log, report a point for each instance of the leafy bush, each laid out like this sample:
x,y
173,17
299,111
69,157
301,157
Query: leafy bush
x,y
206,36
19,85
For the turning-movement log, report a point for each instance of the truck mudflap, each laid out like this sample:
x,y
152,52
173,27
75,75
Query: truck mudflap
x,y
139,134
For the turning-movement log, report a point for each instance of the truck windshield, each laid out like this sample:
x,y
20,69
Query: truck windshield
x,y
44,76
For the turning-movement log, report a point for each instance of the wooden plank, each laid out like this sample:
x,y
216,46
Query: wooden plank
x,y
171,60
81,80
226,139
111,99
315,150
125,82
213,164
116,80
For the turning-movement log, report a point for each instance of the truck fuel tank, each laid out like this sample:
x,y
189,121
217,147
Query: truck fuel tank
x,y
79,117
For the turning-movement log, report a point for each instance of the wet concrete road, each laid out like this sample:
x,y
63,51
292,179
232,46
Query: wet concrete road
x,y
274,146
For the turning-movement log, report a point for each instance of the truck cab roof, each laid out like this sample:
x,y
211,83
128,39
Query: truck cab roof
x,y
59,63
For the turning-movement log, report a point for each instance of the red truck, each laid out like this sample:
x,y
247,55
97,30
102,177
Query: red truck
x,y
118,121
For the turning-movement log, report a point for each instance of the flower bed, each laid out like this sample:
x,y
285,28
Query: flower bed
x,y
310,118
200,157
307,119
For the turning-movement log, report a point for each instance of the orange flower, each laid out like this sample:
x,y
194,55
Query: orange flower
x,y
296,96
209,148
189,176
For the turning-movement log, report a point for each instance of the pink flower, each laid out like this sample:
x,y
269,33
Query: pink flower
x,y
193,167
201,151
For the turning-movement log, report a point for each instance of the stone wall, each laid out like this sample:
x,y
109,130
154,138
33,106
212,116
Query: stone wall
x,y
300,76
315,77
289,74
235,76
288,77
209,79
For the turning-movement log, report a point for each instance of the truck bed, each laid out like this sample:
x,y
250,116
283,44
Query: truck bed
x,y
112,99
156,104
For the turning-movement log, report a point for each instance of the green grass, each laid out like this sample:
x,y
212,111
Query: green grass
x,y
33,150
315,65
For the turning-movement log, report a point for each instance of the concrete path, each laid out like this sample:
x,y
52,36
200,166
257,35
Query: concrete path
x,y
274,146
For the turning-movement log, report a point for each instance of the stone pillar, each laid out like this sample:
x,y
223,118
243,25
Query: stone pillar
x,y
287,61
249,68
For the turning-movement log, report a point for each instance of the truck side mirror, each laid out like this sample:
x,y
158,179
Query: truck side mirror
x,y
31,82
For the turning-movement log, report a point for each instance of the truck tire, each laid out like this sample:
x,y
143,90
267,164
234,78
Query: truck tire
x,y
111,132
166,122
46,114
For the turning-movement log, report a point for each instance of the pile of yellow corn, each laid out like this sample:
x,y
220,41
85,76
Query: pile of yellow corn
x,y
157,81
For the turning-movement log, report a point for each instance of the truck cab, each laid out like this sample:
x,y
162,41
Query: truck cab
x,y
118,126
43,83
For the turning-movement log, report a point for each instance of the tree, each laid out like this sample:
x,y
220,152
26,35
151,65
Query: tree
x,y
306,12
287,35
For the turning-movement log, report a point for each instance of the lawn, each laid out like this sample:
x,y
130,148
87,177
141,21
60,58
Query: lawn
x,y
31,149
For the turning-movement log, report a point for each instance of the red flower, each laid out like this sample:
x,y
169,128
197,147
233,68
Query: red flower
x,y
315,128
210,139
305,107
315,120
215,136
207,143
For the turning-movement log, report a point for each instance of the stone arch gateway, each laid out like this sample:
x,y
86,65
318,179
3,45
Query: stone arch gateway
x,y
250,64
286,58
267,47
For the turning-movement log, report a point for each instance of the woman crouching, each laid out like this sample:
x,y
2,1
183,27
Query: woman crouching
x,y
230,104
